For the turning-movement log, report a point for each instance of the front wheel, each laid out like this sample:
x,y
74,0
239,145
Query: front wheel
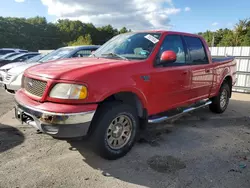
x,y
115,130
220,102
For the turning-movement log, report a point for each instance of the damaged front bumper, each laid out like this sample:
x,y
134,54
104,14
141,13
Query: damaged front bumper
x,y
60,125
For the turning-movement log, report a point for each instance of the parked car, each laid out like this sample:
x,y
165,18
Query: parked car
x,y
4,69
9,55
12,80
133,79
4,51
18,58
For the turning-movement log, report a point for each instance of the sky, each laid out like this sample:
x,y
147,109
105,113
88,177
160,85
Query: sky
x,y
180,15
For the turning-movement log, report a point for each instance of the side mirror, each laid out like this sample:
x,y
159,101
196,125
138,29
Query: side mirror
x,y
168,56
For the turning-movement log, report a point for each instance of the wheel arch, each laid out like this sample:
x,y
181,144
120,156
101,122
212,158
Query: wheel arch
x,y
127,97
229,80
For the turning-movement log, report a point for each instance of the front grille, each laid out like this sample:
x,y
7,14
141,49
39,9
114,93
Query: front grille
x,y
34,87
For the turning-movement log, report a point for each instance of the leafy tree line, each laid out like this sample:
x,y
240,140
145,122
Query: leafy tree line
x,y
37,34
238,36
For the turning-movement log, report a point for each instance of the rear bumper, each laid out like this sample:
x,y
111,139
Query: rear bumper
x,y
56,124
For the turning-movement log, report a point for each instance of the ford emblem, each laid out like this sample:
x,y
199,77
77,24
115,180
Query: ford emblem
x,y
30,84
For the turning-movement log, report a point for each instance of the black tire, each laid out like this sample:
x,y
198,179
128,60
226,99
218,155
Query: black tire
x,y
106,114
216,106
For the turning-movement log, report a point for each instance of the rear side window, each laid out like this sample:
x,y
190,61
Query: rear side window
x,y
196,50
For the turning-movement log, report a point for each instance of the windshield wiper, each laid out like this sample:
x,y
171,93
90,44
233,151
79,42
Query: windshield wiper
x,y
114,55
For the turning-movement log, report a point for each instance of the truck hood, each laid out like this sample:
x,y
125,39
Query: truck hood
x,y
21,68
72,69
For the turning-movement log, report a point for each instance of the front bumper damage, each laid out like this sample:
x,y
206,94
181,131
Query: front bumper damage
x,y
59,125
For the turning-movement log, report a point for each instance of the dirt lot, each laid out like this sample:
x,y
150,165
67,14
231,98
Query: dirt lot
x,y
6,101
199,150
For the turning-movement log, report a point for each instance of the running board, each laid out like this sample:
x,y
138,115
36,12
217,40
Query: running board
x,y
164,118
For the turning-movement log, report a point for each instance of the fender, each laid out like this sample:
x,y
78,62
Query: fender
x,y
224,75
134,90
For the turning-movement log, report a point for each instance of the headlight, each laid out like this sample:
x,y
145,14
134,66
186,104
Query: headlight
x,y
68,91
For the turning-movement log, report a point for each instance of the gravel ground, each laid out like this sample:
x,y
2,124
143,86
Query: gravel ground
x,y
199,150
6,101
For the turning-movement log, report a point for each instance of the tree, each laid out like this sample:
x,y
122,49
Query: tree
x,y
225,37
31,34
123,30
82,40
89,28
240,31
208,36
228,39
246,40
36,33
106,33
218,36
37,20
70,30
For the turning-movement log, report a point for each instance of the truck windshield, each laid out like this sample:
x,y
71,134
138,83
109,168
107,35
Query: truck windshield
x,y
129,46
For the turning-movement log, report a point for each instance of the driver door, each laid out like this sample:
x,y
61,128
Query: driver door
x,y
170,81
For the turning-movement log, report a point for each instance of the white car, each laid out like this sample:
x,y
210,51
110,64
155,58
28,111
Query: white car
x,y
4,69
13,78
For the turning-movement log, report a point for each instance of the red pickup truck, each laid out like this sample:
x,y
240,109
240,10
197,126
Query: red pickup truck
x,y
133,79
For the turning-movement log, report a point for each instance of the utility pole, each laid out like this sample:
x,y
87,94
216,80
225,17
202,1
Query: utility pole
x,y
212,44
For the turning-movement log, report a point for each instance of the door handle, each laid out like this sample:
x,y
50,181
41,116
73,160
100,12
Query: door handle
x,y
184,72
207,70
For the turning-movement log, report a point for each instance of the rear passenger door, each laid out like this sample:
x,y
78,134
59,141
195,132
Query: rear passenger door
x,y
200,69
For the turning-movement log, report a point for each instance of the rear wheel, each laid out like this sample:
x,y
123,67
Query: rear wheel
x,y
115,130
220,102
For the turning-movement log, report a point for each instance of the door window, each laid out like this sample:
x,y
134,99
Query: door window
x,y
197,51
25,57
174,43
82,53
